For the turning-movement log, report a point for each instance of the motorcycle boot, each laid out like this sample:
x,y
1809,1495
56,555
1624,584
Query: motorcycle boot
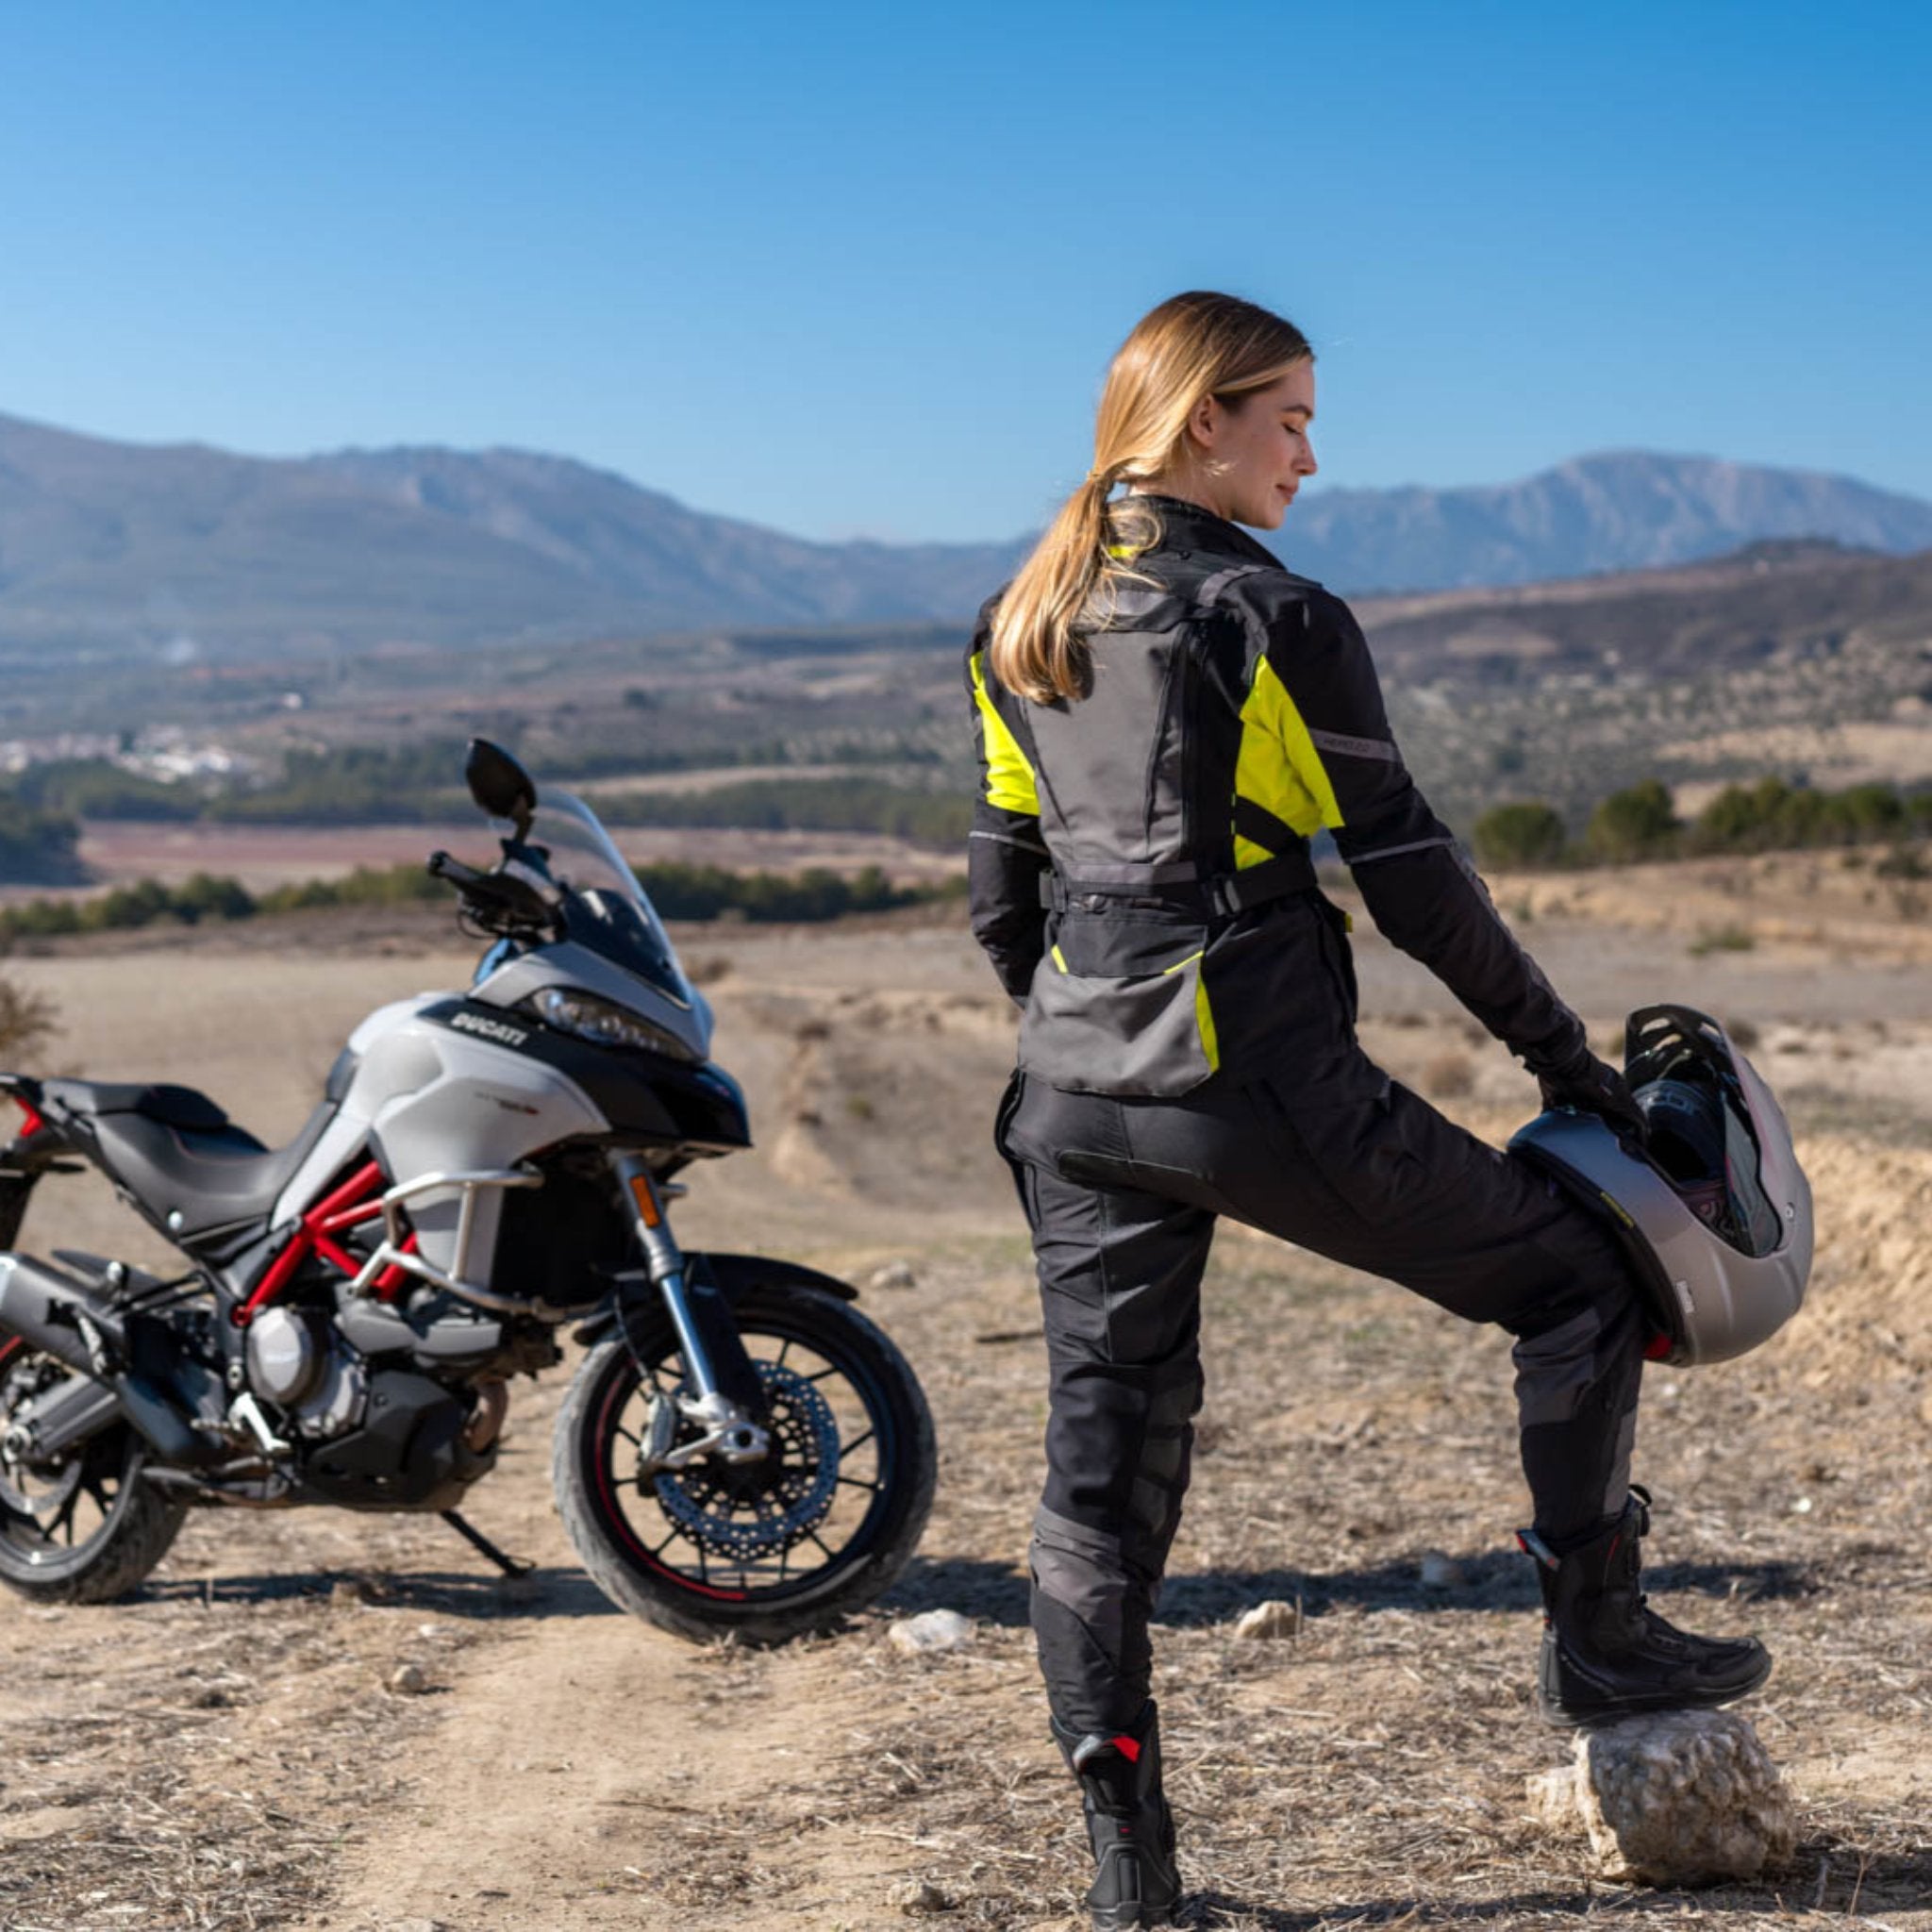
x,y
1127,1822
1605,1653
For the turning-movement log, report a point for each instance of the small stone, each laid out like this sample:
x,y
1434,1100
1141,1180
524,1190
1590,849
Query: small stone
x,y
892,1274
408,1680
1440,1572
1269,1621
415,1925
1552,1798
931,1630
919,1898
1680,1798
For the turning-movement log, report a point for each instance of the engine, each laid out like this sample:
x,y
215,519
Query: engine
x,y
384,1410
303,1364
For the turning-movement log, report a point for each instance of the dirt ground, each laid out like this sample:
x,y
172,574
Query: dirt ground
x,y
224,1752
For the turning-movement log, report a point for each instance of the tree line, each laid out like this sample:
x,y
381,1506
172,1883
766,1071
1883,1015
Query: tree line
x,y
693,893
360,785
1641,823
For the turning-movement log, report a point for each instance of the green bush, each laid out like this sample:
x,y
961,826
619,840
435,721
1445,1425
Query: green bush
x,y
1637,822
1524,833
1773,816
36,848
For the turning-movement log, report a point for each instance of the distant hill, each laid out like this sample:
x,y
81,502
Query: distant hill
x,y
1623,510
110,551
1768,606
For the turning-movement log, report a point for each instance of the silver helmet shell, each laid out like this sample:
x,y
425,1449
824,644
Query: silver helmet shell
x,y
1716,1214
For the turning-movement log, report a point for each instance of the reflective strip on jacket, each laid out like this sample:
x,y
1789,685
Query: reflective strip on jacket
x,y
1139,862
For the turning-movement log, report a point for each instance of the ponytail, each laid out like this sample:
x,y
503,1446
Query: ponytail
x,y
1192,347
1036,651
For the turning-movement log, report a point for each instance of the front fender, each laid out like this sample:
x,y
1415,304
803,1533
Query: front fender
x,y
732,1275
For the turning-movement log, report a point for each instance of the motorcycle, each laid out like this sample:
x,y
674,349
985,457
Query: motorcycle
x,y
739,1449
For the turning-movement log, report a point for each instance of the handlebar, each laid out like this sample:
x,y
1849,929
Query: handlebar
x,y
500,903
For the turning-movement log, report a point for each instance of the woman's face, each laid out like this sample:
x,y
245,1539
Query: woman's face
x,y
1248,458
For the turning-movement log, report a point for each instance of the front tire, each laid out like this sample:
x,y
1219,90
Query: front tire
x,y
88,1529
767,1551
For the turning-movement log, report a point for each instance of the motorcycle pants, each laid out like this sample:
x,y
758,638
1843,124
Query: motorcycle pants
x,y
1123,1195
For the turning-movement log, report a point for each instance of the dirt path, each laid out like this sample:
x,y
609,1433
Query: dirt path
x,y
229,1751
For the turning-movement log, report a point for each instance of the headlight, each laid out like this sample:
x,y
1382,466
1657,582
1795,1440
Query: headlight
x,y
605,1023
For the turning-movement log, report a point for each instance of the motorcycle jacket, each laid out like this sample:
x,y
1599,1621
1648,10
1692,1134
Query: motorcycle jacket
x,y
1139,865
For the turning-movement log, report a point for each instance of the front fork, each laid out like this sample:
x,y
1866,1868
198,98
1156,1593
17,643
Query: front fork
x,y
716,1367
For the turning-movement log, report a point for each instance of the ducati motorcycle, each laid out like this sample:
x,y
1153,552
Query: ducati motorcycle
x,y
739,1448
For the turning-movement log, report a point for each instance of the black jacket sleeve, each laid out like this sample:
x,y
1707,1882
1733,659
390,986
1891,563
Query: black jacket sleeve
x,y
1419,887
1006,856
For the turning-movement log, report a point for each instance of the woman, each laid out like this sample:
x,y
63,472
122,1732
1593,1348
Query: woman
x,y
1166,716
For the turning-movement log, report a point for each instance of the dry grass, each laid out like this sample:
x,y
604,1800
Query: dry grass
x,y
233,1760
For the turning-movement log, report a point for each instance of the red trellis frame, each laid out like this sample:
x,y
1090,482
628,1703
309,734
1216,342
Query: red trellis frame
x,y
358,1199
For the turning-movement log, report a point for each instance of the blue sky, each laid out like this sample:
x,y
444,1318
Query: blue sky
x,y
858,269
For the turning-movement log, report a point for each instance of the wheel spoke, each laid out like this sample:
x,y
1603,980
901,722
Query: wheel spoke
x,y
851,1482
857,1443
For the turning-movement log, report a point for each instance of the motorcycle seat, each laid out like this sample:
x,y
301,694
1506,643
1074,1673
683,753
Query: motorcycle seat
x,y
179,1106
201,1179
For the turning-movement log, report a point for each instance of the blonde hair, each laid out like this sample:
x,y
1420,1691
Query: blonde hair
x,y
1194,346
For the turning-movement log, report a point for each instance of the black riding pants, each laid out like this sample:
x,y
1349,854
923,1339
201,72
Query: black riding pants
x,y
1123,1195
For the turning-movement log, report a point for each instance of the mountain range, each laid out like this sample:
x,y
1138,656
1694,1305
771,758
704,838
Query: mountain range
x,y
113,551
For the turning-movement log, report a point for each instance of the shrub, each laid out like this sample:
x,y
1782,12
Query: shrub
x,y
1525,833
1638,822
1722,939
27,1018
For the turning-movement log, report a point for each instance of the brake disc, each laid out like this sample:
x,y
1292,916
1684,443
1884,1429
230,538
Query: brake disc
x,y
788,1493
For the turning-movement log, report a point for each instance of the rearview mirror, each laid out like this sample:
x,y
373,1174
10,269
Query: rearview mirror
x,y
499,785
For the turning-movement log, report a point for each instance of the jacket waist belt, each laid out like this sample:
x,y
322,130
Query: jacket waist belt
x,y
1221,896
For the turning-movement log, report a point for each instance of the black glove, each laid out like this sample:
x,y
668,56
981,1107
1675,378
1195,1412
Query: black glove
x,y
1593,1086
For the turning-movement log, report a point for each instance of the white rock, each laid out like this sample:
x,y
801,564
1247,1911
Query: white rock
x,y
1552,1796
892,1274
931,1630
919,1898
1440,1572
1681,1797
408,1680
1269,1621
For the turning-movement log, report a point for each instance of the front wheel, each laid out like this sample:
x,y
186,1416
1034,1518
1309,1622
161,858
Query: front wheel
x,y
767,1550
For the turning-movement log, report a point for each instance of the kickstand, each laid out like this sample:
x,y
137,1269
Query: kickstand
x,y
510,1566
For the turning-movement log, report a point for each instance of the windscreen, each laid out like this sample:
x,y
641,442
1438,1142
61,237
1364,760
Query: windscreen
x,y
608,911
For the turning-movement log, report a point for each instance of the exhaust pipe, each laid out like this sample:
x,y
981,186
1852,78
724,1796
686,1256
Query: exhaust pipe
x,y
67,1319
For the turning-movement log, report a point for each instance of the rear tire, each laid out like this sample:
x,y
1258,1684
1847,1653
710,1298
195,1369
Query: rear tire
x,y
709,1550
89,1530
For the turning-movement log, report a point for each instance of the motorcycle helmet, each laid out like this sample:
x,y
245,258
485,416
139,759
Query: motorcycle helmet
x,y
1715,1212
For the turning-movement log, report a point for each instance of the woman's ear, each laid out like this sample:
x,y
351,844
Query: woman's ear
x,y
1204,421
